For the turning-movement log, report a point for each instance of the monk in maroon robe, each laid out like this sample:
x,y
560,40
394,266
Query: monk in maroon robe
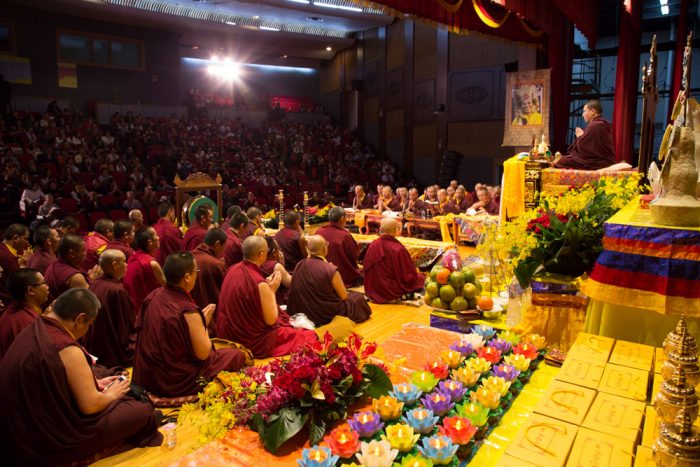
x,y
389,271
143,273
248,311
275,262
416,206
255,227
593,147
361,199
169,234
318,290
29,292
486,202
123,238
233,253
12,255
173,349
386,201
342,247
112,337
97,241
46,239
291,240
204,216
459,204
66,272
54,411
211,273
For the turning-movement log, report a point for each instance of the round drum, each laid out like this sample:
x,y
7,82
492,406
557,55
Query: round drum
x,y
191,205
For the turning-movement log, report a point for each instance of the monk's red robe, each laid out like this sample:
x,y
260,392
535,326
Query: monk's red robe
x,y
209,278
593,150
267,268
365,203
312,293
170,239
41,260
13,320
288,240
457,207
233,253
492,207
8,264
252,229
140,280
165,362
419,207
121,246
95,243
389,271
112,336
41,422
240,316
343,252
57,276
194,236
394,204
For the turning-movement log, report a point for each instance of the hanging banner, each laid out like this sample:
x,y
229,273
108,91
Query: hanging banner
x,y
67,75
527,107
16,69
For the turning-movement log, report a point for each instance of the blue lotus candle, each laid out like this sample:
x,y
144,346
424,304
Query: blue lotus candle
x,y
452,388
438,402
421,420
438,449
505,371
463,347
319,456
487,332
366,424
501,344
406,392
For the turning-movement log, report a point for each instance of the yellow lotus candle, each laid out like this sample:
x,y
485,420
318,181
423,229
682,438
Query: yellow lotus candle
x,y
452,358
486,397
477,414
496,384
424,380
389,408
535,340
520,362
467,376
401,437
479,365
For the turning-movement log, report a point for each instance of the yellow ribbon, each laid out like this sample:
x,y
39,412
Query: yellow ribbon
x,y
451,7
487,19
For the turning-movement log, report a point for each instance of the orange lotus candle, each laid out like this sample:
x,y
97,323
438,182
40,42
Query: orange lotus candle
x,y
343,441
451,358
389,408
486,397
467,376
438,368
535,340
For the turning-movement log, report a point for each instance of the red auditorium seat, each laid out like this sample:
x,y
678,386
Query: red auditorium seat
x,y
109,201
83,221
116,214
97,215
68,204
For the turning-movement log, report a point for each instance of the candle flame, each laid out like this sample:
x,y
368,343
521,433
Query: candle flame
x,y
421,414
437,444
422,377
400,433
451,385
318,455
403,388
364,418
344,439
458,425
376,451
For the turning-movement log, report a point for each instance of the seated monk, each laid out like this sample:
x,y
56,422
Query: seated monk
x,y
486,202
361,199
66,272
169,234
143,273
275,262
291,240
13,255
97,241
123,238
255,226
386,201
459,203
173,349
342,247
208,256
46,239
318,290
111,338
389,271
53,409
248,311
416,206
204,216
237,227
593,148
29,293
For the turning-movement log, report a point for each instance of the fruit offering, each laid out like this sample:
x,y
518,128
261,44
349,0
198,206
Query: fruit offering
x,y
448,289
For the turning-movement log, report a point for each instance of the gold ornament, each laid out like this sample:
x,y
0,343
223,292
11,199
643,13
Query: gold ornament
x,y
676,395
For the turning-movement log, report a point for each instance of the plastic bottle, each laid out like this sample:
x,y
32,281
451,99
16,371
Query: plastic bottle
x,y
515,295
170,435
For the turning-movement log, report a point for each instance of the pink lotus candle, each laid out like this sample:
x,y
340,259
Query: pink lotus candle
x,y
343,441
490,354
460,430
388,407
467,376
452,358
438,368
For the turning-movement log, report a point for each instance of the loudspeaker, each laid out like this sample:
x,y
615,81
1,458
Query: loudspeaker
x,y
356,85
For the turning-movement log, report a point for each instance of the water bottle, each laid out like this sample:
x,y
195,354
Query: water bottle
x,y
515,295
170,435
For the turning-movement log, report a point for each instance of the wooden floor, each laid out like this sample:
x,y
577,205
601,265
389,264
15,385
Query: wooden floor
x,y
386,320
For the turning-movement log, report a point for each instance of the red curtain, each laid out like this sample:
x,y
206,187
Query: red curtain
x,y
681,38
626,79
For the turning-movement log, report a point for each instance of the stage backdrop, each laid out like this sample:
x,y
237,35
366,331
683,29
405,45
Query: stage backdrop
x,y
527,107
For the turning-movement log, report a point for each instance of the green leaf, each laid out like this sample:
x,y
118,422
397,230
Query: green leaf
x,y
288,422
316,431
316,392
379,383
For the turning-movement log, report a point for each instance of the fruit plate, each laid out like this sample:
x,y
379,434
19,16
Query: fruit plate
x,y
461,313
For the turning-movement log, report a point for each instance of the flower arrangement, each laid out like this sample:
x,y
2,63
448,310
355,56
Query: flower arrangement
x,y
318,215
313,388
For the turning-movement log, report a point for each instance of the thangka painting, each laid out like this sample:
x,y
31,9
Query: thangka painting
x,y
527,107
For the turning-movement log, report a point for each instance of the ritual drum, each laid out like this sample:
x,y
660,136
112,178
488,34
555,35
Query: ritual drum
x,y
191,205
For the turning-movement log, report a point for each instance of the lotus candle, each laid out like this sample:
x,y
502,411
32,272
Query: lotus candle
x,y
460,430
528,350
439,403
505,371
401,437
452,358
510,336
475,340
406,393
487,332
438,368
464,348
387,407
489,354
501,344
343,441
438,449
466,376
377,454
416,461
479,365
319,456
486,397
519,362
366,424
424,380
535,340
496,384
421,420
454,389
477,414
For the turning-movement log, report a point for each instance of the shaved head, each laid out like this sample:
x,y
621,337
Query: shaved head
x,y
252,246
108,258
316,245
389,226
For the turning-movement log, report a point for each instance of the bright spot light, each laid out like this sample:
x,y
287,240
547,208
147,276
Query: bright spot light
x,y
664,10
329,48
226,70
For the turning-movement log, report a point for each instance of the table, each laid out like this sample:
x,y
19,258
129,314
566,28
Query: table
x,y
424,253
646,276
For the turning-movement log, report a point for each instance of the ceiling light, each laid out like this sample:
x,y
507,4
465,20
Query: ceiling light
x,y
305,2
338,7
195,47
231,23
664,10
268,28
329,48
284,56
256,17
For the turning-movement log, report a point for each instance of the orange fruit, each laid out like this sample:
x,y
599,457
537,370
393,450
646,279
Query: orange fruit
x,y
442,276
485,303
